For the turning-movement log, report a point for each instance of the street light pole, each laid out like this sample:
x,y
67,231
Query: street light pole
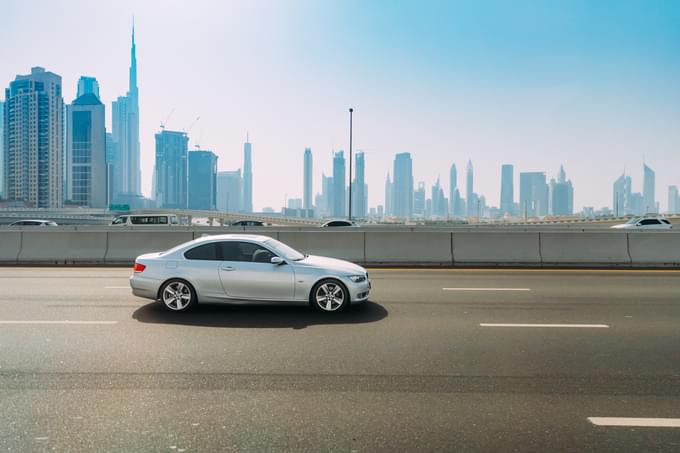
x,y
351,110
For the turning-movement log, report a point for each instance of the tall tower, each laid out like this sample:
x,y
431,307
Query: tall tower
x,y
507,189
469,192
34,113
402,194
171,169
648,185
125,121
307,176
247,204
359,187
339,209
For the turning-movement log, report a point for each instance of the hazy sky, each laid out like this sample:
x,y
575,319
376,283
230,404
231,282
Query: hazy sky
x,y
591,84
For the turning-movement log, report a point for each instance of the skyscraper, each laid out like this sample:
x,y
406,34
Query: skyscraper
x,y
561,195
34,137
507,189
469,192
202,180
453,185
648,186
125,130
326,196
86,169
171,169
247,204
622,203
388,195
87,85
339,208
359,209
308,173
419,200
673,200
402,193
439,201
2,150
229,191
533,194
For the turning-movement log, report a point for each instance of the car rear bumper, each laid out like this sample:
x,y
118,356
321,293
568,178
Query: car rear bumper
x,y
144,287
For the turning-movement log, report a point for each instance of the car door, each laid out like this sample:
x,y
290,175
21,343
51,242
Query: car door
x,y
247,273
200,266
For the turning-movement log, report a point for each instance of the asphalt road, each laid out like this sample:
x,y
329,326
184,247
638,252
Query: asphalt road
x,y
479,366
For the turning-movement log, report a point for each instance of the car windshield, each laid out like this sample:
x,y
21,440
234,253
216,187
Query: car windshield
x,y
285,251
632,221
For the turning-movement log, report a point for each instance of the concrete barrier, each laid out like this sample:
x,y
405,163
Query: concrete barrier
x,y
496,248
346,245
10,245
62,247
408,248
591,248
654,248
124,247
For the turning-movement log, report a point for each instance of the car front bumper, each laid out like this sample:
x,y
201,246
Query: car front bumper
x,y
358,292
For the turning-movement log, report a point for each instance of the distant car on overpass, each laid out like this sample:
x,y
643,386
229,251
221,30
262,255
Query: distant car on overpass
x,y
645,223
251,223
339,223
245,268
34,222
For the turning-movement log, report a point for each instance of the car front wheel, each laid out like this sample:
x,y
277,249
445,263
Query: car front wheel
x,y
177,295
329,295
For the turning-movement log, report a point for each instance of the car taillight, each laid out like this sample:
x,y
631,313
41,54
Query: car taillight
x,y
139,267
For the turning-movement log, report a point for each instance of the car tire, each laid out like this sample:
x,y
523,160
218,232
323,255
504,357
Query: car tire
x,y
177,295
329,296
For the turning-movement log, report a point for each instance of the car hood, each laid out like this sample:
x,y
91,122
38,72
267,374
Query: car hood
x,y
623,226
332,264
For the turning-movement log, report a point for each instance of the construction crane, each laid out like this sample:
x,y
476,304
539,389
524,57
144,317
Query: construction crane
x,y
191,126
167,118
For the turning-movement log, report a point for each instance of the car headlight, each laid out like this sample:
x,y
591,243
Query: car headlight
x,y
357,278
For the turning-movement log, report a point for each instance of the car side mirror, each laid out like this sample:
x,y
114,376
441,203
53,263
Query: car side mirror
x,y
277,260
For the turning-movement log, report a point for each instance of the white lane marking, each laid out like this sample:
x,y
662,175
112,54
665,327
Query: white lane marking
x,y
575,326
58,322
633,421
117,287
486,289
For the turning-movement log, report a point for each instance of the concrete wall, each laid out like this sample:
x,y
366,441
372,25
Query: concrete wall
x,y
407,246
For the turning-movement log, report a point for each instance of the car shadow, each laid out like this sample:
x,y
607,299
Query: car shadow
x,y
258,316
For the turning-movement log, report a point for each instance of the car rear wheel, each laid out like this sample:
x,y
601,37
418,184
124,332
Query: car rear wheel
x,y
177,295
329,295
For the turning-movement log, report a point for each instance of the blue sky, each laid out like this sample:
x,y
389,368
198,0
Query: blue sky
x,y
594,85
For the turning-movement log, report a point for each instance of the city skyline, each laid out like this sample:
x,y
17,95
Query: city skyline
x,y
595,130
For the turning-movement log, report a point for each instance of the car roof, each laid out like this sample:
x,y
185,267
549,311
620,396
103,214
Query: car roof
x,y
233,237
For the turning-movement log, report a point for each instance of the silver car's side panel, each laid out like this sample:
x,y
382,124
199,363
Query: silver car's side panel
x,y
261,281
204,276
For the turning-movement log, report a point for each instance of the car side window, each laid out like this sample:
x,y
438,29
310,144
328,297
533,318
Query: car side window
x,y
649,222
245,252
205,252
666,221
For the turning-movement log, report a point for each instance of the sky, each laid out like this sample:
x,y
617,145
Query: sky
x,y
593,85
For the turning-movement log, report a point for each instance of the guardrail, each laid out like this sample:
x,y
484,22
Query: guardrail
x,y
373,246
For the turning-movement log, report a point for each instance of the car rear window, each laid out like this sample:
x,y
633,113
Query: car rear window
x,y
203,252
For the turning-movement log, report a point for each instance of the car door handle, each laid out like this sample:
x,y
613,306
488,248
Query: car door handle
x,y
227,268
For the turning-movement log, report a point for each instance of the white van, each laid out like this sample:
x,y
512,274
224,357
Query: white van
x,y
146,219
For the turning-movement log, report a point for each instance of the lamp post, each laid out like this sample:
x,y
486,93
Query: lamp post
x,y
351,110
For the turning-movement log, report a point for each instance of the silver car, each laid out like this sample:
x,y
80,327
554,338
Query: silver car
x,y
241,268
